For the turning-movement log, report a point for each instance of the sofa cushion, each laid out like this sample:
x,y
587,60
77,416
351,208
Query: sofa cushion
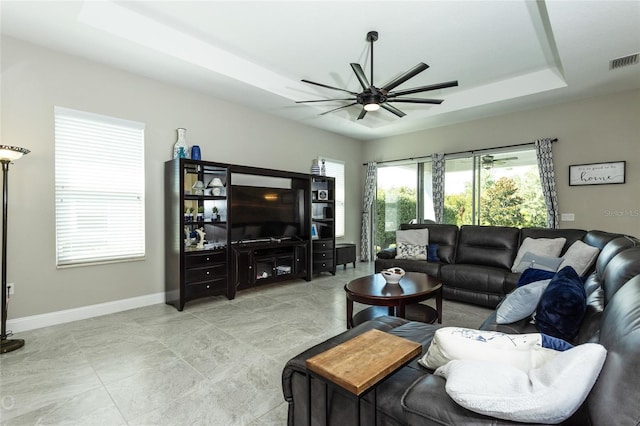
x,y
562,306
550,393
487,245
551,247
581,257
522,351
521,303
480,285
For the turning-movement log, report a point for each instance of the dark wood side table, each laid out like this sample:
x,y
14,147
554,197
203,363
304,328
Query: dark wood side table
x,y
345,253
400,299
360,364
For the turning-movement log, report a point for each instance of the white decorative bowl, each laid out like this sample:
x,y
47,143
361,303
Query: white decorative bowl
x,y
392,275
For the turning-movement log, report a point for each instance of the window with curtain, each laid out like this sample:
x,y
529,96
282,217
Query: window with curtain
x,y
498,187
335,169
99,188
494,188
396,201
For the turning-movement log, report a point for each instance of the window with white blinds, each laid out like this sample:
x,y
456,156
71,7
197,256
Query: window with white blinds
x,y
99,179
335,169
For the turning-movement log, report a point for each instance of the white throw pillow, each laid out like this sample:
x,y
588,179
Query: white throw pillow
x,y
548,394
580,256
412,244
411,251
417,237
521,302
541,246
522,351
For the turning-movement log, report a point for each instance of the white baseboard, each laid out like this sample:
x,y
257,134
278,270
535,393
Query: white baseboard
x,y
60,317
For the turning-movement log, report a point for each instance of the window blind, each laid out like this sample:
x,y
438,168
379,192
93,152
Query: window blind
x,y
335,169
99,185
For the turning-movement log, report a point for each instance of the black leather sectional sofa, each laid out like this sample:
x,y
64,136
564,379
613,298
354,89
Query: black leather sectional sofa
x,y
475,261
414,396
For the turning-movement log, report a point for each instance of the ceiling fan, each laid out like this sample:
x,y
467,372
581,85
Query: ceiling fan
x,y
373,98
488,161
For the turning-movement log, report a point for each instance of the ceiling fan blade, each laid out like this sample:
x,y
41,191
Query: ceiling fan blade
x,y
424,88
393,109
335,109
416,101
404,77
360,74
362,114
325,100
329,87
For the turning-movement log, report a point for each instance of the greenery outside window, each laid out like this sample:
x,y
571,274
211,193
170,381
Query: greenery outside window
x,y
496,187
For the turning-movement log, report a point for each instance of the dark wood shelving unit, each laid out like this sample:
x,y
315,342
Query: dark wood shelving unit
x,y
223,265
323,246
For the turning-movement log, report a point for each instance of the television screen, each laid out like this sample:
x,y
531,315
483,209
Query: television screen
x,y
260,213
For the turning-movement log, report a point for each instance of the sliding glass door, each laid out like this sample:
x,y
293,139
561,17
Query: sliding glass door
x,y
396,202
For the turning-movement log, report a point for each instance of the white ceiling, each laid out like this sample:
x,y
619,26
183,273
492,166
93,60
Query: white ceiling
x,y
506,55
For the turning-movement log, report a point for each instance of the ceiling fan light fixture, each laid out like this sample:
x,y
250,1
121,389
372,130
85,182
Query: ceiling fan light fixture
x,y
372,106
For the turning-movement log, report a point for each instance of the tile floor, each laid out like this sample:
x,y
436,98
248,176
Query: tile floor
x,y
219,362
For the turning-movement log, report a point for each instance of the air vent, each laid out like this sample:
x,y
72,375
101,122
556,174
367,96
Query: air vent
x,y
625,61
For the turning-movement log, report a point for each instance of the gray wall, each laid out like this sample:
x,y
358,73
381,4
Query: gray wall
x,y
593,130
35,79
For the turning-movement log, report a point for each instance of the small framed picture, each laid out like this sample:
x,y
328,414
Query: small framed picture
x,y
314,232
323,194
597,173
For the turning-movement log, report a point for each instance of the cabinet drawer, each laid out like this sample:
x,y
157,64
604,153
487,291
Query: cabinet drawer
x,y
208,287
204,274
196,260
323,245
322,255
323,266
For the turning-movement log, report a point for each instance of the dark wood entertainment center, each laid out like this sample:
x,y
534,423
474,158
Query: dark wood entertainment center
x,y
261,236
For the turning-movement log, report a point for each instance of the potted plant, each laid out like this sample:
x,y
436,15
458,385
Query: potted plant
x,y
186,214
200,215
214,214
190,213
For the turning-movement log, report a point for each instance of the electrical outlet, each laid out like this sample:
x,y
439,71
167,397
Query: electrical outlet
x,y
10,288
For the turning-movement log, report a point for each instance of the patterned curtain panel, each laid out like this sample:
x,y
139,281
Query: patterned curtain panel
x,y
548,180
437,170
366,246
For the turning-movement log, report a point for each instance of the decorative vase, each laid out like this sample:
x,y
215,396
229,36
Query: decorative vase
x,y
323,169
315,169
195,153
180,148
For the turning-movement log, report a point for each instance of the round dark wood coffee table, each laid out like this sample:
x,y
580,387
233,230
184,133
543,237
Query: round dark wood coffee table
x,y
400,299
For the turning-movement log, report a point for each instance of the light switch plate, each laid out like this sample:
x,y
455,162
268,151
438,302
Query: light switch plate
x,y
567,217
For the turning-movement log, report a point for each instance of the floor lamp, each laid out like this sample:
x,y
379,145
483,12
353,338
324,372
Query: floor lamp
x,y
7,155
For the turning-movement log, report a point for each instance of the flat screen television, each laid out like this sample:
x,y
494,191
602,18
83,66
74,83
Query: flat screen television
x,y
259,213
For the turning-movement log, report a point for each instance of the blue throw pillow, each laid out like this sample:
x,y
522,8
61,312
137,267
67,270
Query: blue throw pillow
x,y
432,253
562,306
554,343
531,275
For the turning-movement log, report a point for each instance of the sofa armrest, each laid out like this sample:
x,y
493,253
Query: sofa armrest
x,y
388,253
426,402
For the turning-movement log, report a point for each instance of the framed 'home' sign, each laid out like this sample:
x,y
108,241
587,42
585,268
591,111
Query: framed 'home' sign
x,y
597,173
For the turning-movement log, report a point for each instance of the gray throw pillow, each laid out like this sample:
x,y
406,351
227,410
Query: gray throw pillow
x,y
536,261
521,303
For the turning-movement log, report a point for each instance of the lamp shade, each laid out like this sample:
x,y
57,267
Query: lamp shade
x,y
215,182
11,153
